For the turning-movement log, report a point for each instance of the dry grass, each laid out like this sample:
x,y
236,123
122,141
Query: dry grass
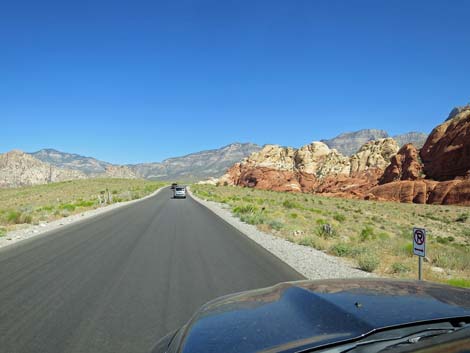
x,y
40,203
374,235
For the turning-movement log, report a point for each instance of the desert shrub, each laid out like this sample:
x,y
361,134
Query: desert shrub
x,y
82,203
245,209
3,232
14,217
367,233
325,231
398,267
451,258
312,242
401,249
26,218
341,249
383,236
290,204
253,218
294,215
307,241
445,240
275,224
462,218
368,261
376,219
69,207
339,217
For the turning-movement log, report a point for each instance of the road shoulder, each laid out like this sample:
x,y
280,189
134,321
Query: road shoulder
x,y
311,263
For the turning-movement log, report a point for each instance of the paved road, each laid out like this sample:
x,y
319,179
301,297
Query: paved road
x,y
119,281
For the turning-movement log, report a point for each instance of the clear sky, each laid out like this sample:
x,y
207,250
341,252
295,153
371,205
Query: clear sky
x,y
134,81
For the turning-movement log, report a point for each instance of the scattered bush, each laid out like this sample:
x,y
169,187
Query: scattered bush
x,y
275,224
87,203
367,233
451,258
325,231
398,267
312,242
462,218
14,217
339,217
253,218
3,232
290,204
368,262
68,207
294,215
341,249
244,209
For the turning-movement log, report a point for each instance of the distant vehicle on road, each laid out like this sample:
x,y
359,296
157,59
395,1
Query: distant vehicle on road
x,y
354,316
179,192
173,186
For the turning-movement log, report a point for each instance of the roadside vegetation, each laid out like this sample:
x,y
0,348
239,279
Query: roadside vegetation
x,y
41,203
373,236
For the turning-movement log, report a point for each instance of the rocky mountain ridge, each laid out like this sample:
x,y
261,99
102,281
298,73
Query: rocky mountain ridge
x,y
196,166
349,143
21,169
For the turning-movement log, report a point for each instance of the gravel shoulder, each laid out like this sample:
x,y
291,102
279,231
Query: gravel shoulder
x,y
29,231
311,263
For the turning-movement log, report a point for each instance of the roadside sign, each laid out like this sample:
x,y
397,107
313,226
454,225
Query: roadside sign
x,y
419,242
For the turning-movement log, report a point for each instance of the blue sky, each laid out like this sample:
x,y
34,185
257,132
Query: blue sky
x,y
134,81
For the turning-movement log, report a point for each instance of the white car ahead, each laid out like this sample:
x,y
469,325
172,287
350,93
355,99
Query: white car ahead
x,y
179,192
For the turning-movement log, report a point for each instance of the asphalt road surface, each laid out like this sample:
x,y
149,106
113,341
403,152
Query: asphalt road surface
x,y
119,281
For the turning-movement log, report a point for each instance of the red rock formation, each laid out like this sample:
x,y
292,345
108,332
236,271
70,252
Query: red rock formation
x,y
314,168
405,165
446,153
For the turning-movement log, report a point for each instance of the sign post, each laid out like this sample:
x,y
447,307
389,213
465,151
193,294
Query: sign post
x,y
419,248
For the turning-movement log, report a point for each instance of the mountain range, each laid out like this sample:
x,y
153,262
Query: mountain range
x,y
49,165
349,143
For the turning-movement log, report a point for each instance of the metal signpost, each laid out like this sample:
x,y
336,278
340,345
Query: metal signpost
x,y
419,248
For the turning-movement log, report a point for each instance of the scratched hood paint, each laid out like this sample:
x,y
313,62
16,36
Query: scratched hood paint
x,y
316,313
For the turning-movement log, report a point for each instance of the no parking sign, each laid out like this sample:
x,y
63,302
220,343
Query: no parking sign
x,y
419,242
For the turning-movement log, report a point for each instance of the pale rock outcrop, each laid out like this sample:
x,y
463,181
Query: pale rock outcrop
x,y
20,169
119,171
334,164
310,158
373,154
272,156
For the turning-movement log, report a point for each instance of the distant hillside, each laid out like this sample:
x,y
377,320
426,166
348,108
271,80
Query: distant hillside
x,y
196,166
192,167
349,143
87,165
416,138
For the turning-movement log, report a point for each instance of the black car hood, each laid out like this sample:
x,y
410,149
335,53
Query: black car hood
x,y
316,313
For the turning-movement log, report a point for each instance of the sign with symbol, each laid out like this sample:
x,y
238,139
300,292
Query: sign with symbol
x,y
419,241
